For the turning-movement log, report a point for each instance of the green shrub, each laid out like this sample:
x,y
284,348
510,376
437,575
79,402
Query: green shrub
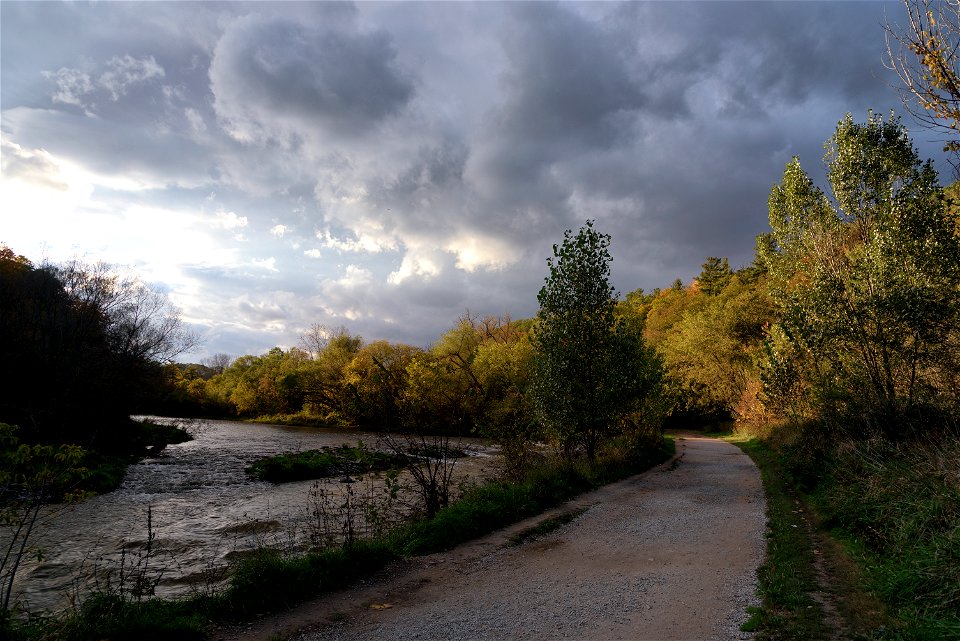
x,y
325,462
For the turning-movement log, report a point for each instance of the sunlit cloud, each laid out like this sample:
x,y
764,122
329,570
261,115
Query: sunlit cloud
x,y
414,267
474,251
229,220
269,264
362,242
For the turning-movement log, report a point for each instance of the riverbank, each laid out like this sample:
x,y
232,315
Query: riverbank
x,y
269,579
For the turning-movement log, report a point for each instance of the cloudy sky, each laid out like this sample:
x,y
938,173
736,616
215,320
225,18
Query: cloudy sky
x,y
388,166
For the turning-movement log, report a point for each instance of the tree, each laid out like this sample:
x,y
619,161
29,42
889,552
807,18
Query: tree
x,y
218,363
376,379
925,54
715,275
87,343
710,351
324,379
583,375
867,286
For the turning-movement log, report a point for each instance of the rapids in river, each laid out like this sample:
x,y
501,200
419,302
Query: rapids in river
x,y
204,511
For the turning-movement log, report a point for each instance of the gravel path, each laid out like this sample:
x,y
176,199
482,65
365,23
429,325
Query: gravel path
x,y
669,554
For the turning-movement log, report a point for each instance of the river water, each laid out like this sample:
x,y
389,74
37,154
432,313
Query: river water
x,y
204,511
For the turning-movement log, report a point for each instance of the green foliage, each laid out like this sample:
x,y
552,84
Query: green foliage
x,y
710,352
30,476
269,580
715,275
893,508
589,370
867,289
376,379
110,616
664,310
329,461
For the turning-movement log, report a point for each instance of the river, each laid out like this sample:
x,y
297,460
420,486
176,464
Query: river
x,y
204,510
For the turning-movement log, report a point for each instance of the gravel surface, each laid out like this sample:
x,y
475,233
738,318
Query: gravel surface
x,y
669,554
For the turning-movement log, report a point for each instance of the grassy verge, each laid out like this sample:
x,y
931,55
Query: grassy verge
x,y
895,507
872,528
787,579
325,462
270,580
299,420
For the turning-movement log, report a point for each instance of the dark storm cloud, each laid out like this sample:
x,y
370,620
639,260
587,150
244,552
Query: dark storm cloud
x,y
566,92
265,70
437,149
709,101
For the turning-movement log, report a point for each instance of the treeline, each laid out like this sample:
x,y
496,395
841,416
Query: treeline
x,y
83,347
475,375
846,320
846,323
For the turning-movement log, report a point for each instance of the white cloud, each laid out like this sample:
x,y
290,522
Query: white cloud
x,y
124,72
355,276
36,166
413,265
75,86
474,252
363,242
269,264
195,119
312,253
72,85
278,230
229,220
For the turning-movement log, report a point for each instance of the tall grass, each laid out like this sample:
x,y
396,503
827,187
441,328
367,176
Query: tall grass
x,y
894,509
898,505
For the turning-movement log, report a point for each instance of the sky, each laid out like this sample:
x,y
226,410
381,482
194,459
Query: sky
x,y
389,167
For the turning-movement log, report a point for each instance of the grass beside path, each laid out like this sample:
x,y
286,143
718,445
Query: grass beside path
x,y
787,579
813,584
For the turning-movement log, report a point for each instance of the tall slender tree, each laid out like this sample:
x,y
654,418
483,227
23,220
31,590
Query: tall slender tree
x,y
586,364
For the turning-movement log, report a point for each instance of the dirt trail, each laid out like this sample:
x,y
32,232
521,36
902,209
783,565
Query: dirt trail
x,y
669,554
